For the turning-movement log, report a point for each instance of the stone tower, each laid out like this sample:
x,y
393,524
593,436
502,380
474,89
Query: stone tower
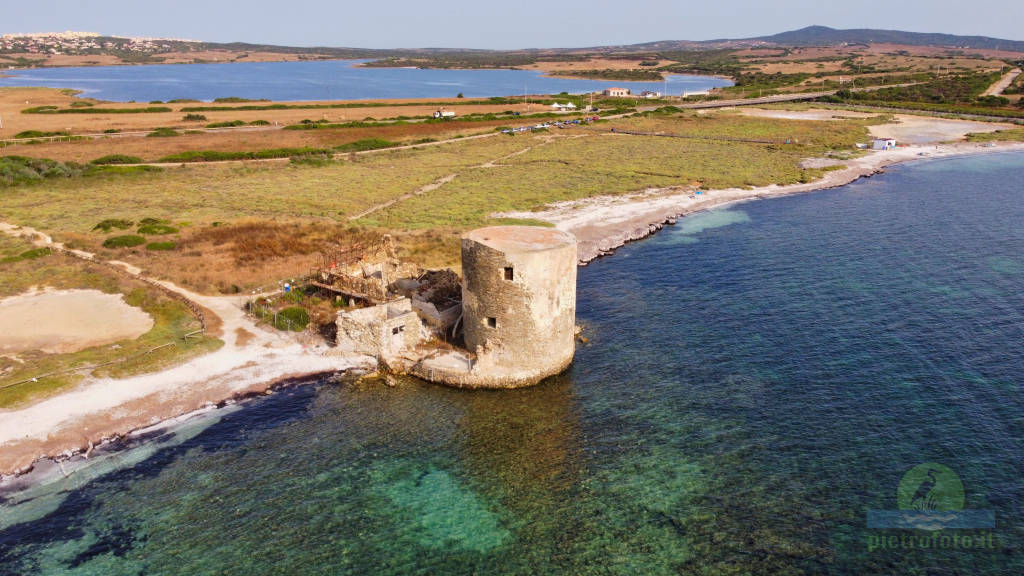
x,y
518,304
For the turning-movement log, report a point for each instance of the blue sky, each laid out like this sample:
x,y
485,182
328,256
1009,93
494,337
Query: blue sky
x,y
503,24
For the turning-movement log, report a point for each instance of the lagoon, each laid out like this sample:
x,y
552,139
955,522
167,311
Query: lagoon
x,y
323,80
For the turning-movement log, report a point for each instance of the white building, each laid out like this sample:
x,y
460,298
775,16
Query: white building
x,y
650,94
884,144
616,92
563,107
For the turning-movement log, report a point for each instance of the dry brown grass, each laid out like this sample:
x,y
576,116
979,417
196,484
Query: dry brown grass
x,y
152,149
243,336
14,100
245,255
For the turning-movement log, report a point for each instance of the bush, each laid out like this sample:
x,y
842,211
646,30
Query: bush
x,y
111,131
259,123
16,170
40,134
94,110
193,118
127,241
365,144
230,124
111,223
80,104
117,159
157,229
161,246
27,255
163,133
293,318
235,99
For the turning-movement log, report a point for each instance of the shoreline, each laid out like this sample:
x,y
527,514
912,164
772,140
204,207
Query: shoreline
x,y
102,410
605,223
251,361
51,469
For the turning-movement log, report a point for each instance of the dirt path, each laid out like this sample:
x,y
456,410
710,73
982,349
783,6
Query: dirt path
x,y
251,360
1003,83
419,191
443,180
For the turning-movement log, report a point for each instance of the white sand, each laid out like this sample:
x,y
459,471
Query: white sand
x,y
60,321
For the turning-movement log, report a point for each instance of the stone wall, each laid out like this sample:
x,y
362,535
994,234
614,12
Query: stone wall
x,y
519,303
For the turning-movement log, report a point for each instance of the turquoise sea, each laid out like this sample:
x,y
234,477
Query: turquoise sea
x,y
758,378
325,80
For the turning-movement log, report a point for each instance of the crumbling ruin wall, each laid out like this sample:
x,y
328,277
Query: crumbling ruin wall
x,y
382,331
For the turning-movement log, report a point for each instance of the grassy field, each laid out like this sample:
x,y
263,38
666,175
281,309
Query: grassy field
x,y
244,225
172,320
1014,135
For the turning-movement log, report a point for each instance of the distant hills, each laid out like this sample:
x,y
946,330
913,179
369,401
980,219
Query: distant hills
x,y
823,35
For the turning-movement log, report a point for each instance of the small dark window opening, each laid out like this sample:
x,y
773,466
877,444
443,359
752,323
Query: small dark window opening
x,y
508,273
492,322
397,329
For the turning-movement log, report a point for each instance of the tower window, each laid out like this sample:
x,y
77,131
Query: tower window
x,y
508,273
492,322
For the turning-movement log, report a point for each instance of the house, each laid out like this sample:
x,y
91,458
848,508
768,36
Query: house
x,y
696,93
650,94
884,144
616,92
558,106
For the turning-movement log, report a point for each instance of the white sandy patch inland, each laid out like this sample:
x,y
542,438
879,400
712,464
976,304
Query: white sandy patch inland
x,y
911,129
61,321
810,114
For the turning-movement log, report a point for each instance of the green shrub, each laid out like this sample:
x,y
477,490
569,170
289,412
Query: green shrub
x,y
157,229
27,255
111,223
161,246
230,124
111,131
365,144
293,318
233,99
259,123
80,104
95,110
117,159
151,221
163,133
40,134
315,160
193,117
216,155
15,170
182,101
126,241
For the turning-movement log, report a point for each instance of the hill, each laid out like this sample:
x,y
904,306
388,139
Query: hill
x,y
823,35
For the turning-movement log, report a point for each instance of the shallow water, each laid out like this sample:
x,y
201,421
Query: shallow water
x,y
326,80
757,379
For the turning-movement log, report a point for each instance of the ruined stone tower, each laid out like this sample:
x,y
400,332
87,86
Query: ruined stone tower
x,y
518,303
